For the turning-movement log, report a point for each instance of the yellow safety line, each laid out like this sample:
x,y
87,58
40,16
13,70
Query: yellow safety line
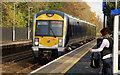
x,y
63,72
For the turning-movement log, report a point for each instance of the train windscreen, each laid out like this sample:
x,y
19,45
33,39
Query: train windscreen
x,y
49,28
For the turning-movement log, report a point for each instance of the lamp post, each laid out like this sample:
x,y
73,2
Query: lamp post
x,y
14,24
29,22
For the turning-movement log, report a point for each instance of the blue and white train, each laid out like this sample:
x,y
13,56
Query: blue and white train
x,y
55,32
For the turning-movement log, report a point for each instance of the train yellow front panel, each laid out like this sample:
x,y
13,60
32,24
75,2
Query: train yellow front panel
x,y
45,17
48,41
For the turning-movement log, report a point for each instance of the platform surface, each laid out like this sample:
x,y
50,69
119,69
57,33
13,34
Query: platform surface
x,y
83,67
74,62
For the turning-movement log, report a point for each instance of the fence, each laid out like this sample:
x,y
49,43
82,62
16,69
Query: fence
x,y
20,34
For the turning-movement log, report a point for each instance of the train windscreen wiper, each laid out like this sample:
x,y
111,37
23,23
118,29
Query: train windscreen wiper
x,y
52,32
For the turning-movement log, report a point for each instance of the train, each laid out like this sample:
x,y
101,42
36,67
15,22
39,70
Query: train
x,y
55,32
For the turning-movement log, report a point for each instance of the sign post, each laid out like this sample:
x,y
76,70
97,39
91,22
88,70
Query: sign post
x,y
104,10
116,33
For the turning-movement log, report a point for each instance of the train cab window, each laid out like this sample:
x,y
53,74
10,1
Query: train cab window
x,y
57,28
49,28
41,28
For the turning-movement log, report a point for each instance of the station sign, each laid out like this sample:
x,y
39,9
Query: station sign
x,y
115,12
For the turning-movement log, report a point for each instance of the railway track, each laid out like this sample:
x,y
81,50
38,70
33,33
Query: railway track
x,y
29,69
19,67
18,62
17,57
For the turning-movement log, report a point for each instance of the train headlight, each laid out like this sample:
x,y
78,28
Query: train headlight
x,y
60,42
36,41
49,15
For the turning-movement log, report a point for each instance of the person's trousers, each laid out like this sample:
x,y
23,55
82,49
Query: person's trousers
x,y
107,66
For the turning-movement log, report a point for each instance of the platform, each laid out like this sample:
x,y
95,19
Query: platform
x,y
76,62
83,67
15,43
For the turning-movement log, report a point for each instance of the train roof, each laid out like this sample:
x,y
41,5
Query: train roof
x,y
50,11
62,15
80,20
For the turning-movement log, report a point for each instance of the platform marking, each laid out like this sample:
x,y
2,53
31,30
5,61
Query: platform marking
x,y
75,61
57,59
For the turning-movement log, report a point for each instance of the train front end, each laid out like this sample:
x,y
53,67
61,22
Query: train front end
x,y
48,34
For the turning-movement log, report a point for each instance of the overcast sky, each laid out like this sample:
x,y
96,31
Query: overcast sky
x,y
96,7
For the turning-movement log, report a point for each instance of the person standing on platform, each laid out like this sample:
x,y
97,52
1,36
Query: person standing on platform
x,y
106,49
